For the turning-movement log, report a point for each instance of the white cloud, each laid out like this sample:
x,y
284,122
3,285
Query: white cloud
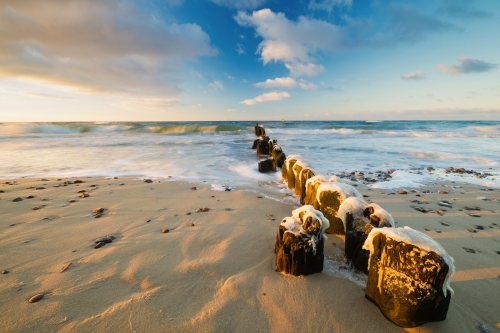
x,y
195,74
272,96
310,69
329,5
279,82
217,85
286,82
240,48
99,47
229,76
418,75
467,65
239,4
307,86
294,43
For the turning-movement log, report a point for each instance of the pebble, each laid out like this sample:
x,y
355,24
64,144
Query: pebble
x,y
121,184
17,199
98,210
440,213
228,209
188,213
472,230
445,224
444,204
438,231
84,195
78,181
480,227
497,252
443,192
427,229
82,191
36,208
402,192
13,224
36,298
195,188
72,200
98,245
148,221
365,196
205,209
103,240
30,197
2,191
5,271
66,265
469,250
259,197
165,231
191,224
148,181
474,215
40,188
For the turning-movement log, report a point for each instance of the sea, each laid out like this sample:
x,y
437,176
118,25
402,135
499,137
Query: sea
x,y
220,152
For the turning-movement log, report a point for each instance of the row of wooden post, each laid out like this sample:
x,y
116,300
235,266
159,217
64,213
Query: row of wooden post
x,y
419,296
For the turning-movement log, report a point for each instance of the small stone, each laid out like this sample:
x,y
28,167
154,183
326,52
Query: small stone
x,y
40,188
82,191
5,271
66,265
115,177
78,181
444,204
402,191
427,229
228,209
480,227
36,208
84,195
2,191
472,230
30,197
440,213
103,240
469,250
474,215
111,237
97,215
98,245
98,210
365,196
443,192
497,252
148,181
259,197
45,199
17,199
147,221
36,298
195,188
198,210
165,231
191,224
445,224
13,224
121,184
188,213
72,201
438,231
205,209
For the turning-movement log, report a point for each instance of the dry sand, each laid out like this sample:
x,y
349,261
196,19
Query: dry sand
x,y
217,276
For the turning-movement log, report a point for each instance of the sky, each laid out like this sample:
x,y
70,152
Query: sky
x,y
201,60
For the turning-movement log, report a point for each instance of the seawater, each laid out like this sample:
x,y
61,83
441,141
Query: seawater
x,y
221,150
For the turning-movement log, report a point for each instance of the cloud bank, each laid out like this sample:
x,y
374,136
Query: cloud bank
x,y
101,47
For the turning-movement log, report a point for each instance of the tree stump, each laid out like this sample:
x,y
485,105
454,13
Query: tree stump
x,y
409,276
299,245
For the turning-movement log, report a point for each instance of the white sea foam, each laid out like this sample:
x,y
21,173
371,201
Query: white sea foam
x,y
403,179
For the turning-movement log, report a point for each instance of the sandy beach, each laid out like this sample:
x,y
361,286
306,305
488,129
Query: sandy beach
x,y
217,275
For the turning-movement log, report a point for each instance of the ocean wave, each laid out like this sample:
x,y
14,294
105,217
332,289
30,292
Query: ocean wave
x,y
180,129
485,129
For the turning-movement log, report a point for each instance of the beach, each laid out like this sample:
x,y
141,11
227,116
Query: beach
x,y
217,275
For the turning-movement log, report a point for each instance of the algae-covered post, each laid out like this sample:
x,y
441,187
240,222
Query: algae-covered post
x,y
267,165
263,146
330,196
278,155
359,219
299,245
259,130
287,170
409,276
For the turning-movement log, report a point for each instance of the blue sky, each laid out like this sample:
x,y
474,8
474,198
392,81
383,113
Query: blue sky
x,y
83,60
